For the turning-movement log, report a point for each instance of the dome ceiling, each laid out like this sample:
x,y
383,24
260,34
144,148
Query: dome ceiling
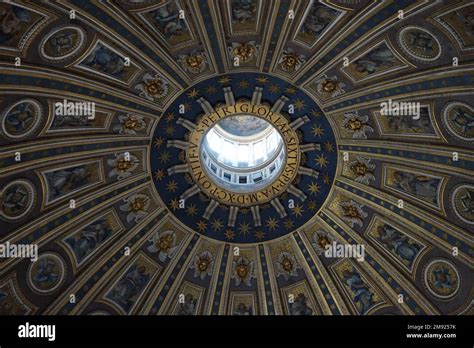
x,y
103,110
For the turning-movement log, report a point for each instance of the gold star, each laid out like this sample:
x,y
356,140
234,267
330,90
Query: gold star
x,y
322,161
201,226
187,106
272,223
171,186
164,157
315,113
262,79
158,142
328,146
229,234
174,204
326,178
317,130
224,80
259,235
193,93
159,174
191,210
244,84
299,104
211,89
288,224
170,116
298,210
274,89
169,130
217,224
290,90
313,188
244,228
312,205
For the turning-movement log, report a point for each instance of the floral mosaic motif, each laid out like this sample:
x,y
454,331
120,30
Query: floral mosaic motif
x,y
123,165
320,241
362,169
164,244
136,206
243,271
152,87
130,124
357,125
195,62
441,278
203,264
291,61
245,51
329,87
287,265
353,213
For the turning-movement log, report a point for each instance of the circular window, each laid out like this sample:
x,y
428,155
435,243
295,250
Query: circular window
x,y
243,153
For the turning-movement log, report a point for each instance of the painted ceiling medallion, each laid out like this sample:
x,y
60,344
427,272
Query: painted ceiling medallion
x,y
188,180
419,43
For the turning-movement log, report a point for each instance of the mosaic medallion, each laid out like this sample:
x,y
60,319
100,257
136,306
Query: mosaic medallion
x,y
441,278
22,118
462,200
47,274
16,199
62,43
419,43
458,118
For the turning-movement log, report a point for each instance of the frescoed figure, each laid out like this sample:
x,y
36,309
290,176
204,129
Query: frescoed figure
x,y
189,306
106,61
130,286
398,243
317,20
243,309
300,306
377,59
91,237
66,180
244,10
12,19
166,18
420,186
362,295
